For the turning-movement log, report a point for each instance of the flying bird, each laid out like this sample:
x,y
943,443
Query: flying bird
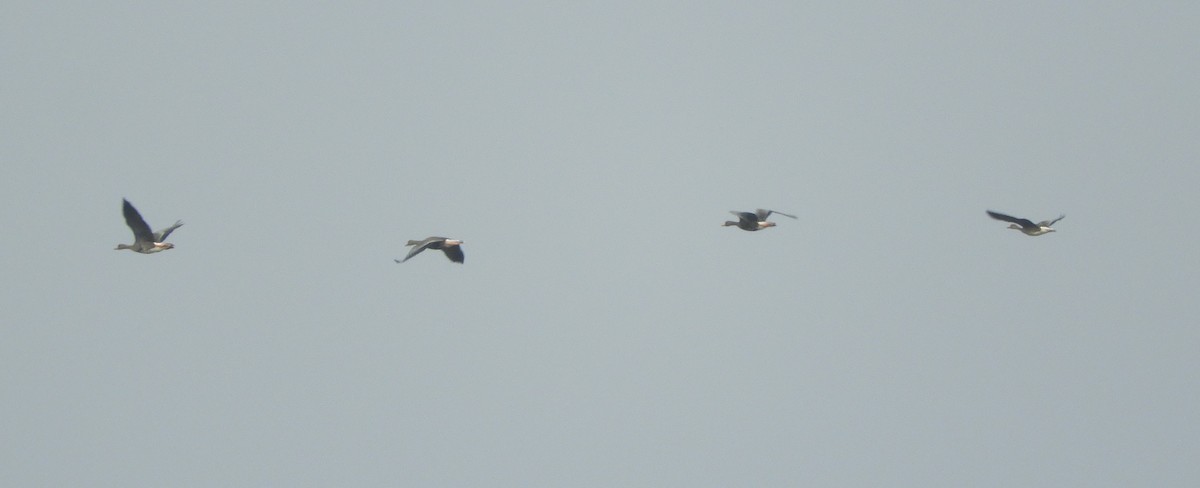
x,y
452,248
145,241
753,221
1025,225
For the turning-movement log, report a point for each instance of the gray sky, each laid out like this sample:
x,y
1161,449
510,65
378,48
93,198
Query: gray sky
x,y
605,330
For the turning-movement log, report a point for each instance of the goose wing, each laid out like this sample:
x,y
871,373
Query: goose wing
x,y
455,253
763,214
747,216
422,245
1008,218
1048,223
161,236
141,230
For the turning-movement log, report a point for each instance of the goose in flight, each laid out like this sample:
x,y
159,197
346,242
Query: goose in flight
x,y
756,220
1026,226
452,248
145,241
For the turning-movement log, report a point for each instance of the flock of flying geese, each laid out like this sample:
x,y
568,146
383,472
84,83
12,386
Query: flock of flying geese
x,y
146,241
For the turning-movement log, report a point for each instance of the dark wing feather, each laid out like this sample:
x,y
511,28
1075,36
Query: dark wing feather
x,y
161,236
141,230
1008,218
1051,222
413,252
745,216
428,243
455,253
417,248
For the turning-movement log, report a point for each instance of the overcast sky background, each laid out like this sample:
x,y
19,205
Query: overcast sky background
x,y
604,330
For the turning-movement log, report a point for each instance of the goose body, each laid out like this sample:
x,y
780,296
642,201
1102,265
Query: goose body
x,y
753,221
1025,225
452,248
145,241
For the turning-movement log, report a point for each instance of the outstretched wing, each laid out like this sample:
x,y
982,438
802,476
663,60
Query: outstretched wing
x,y
1009,218
161,236
1048,223
141,231
745,216
422,245
455,253
769,212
